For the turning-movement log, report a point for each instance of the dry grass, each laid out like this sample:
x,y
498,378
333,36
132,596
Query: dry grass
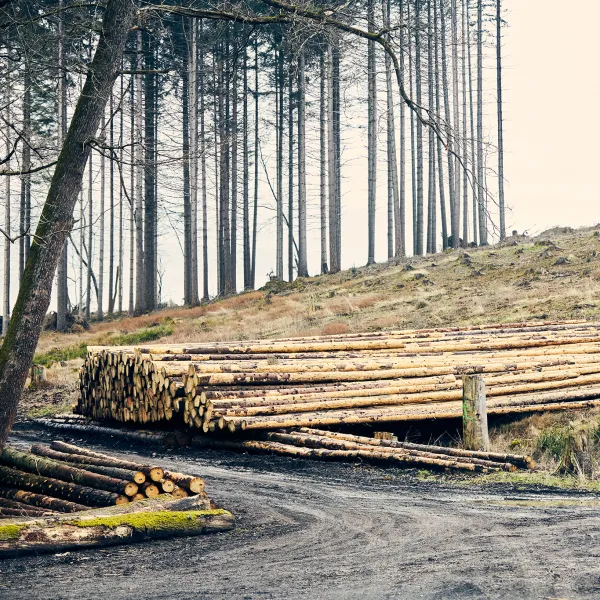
x,y
524,279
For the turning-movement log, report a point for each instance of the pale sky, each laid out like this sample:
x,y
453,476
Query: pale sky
x,y
552,120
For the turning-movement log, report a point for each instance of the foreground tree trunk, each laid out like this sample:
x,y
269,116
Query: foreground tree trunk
x,y
56,222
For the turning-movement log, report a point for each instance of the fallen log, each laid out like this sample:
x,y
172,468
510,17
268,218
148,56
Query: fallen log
x,y
516,459
314,441
145,437
41,500
60,489
125,474
149,519
346,455
25,508
195,485
81,455
41,465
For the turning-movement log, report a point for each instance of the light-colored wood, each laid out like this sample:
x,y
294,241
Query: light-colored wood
x,y
475,425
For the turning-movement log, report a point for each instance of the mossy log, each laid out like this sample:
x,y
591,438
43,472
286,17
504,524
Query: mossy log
x,y
59,489
146,520
39,464
41,500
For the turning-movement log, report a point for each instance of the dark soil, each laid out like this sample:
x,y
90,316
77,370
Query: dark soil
x,y
308,529
46,398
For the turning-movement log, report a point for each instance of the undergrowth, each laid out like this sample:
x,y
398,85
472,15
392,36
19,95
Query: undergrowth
x,y
78,351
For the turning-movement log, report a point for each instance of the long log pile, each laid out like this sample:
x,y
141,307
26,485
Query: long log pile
x,y
344,379
329,445
63,478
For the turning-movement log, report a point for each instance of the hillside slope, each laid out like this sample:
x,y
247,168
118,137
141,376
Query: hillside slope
x,y
553,276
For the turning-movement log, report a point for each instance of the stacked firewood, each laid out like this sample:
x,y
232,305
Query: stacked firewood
x,y
66,478
329,445
352,378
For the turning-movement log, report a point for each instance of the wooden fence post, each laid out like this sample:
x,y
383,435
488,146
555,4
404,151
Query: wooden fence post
x,y
475,426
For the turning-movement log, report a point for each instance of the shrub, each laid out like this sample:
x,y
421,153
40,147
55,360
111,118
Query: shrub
x,y
554,441
335,328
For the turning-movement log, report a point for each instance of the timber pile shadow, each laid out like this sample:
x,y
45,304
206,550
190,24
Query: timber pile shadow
x,y
318,444
62,496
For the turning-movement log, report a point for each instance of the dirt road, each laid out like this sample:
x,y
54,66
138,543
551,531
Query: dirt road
x,y
315,530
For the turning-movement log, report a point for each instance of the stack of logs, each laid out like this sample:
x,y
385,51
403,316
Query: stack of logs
x,y
328,445
344,379
66,478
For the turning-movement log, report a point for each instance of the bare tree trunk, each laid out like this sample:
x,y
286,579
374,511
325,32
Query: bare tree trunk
x,y
302,254
121,246
323,158
100,310
500,120
455,113
439,142
290,217
193,141
480,173
331,163
205,295
372,133
255,213
450,134
140,300
472,128
149,174
279,87
132,196
400,221
246,175
394,227
234,177
7,215
90,254
32,303
62,281
465,141
431,208
217,111
111,210
335,267
413,147
25,207
418,78
185,129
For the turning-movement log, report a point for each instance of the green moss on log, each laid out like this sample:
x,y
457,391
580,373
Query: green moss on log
x,y
11,532
154,521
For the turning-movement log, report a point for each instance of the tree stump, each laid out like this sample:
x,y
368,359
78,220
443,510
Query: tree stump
x,y
475,427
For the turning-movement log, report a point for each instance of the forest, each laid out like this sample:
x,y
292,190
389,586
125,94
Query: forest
x,y
217,128
218,125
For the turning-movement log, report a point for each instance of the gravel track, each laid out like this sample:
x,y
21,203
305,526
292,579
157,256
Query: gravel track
x,y
313,530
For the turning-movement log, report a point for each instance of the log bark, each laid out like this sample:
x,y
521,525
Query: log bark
x,y
41,501
475,427
153,519
516,459
61,489
52,468
71,453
